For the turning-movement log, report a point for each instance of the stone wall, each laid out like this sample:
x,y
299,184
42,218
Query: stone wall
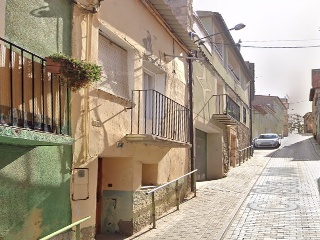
x,y
243,138
165,199
243,133
225,151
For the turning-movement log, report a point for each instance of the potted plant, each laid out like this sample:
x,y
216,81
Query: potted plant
x,y
74,73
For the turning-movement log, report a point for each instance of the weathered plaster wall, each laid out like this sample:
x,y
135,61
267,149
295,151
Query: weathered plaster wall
x,y
2,17
205,85
101,120
32,181
183,11
117,211
43,27
215,167
79,209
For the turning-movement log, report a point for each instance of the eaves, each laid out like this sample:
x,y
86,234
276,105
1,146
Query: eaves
x,y
172,23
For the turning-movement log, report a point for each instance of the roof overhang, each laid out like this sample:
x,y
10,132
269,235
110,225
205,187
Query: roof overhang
x,y
166,13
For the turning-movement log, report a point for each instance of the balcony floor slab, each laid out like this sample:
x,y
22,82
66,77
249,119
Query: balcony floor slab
x,y
28,137
150,139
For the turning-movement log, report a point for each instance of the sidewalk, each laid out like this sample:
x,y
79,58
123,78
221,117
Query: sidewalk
x,y
208,215
226,208
284,203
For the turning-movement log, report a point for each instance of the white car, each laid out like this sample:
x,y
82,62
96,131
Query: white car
x,y
267,140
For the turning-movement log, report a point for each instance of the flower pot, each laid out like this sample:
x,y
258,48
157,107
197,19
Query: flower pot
x,y
52,66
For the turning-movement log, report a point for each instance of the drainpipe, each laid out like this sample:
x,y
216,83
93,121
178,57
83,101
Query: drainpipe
x,y
192,162
250,115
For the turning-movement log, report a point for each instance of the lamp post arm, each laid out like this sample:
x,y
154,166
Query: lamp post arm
x,y
208,36
237,27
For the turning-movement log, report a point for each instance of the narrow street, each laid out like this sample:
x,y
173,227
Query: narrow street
x,y
284,202
274,195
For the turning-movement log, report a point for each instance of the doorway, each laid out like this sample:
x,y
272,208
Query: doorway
x,y
99,197
201,155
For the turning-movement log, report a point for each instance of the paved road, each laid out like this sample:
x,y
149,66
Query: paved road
x,y
284,203
274,195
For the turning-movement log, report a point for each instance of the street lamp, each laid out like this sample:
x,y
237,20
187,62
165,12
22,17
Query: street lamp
x,y
236,27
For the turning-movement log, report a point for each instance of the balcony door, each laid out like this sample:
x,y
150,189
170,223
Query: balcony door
x,y
148,86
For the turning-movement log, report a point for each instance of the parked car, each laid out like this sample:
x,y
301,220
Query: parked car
x,y
267,140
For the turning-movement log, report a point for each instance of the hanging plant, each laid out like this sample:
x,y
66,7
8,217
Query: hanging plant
x,y
74,73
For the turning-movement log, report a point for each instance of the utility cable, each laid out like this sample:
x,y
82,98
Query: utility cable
x,y
283,47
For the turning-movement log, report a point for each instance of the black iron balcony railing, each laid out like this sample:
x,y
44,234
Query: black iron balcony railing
x,y
222,108
30,97
155,114
232,108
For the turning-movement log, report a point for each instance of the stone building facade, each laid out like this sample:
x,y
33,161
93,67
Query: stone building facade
x,y
270,115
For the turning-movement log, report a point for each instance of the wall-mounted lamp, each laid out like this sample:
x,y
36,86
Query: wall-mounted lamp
x,y
236,27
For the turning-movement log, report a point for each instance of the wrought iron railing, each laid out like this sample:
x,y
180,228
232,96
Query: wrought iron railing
x,y
30,97
232,108
176,181
62,230
220,105
154,113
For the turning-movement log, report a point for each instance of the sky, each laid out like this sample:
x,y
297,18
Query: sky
x,y
279,71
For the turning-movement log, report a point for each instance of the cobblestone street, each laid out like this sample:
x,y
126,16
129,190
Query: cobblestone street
x,y
274,195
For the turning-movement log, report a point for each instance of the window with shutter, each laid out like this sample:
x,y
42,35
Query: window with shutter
x,y
113,60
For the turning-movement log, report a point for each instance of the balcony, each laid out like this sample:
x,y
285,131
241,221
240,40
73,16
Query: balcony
x,y
224,109
158,120
31,99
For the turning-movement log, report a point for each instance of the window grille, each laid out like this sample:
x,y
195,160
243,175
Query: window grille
x,y
113,60
244,115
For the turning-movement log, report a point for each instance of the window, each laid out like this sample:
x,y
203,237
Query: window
x,y
149,174
113,60
244,115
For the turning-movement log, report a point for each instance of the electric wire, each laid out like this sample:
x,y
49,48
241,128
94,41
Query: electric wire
x,y
279,47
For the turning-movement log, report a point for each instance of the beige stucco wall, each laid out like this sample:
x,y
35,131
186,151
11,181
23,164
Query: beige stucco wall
x,y
101,121
2,17
215,166
229,59
207,82
273,121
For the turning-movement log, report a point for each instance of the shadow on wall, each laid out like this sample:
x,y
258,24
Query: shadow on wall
x,y
7,157
32,181
58,11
